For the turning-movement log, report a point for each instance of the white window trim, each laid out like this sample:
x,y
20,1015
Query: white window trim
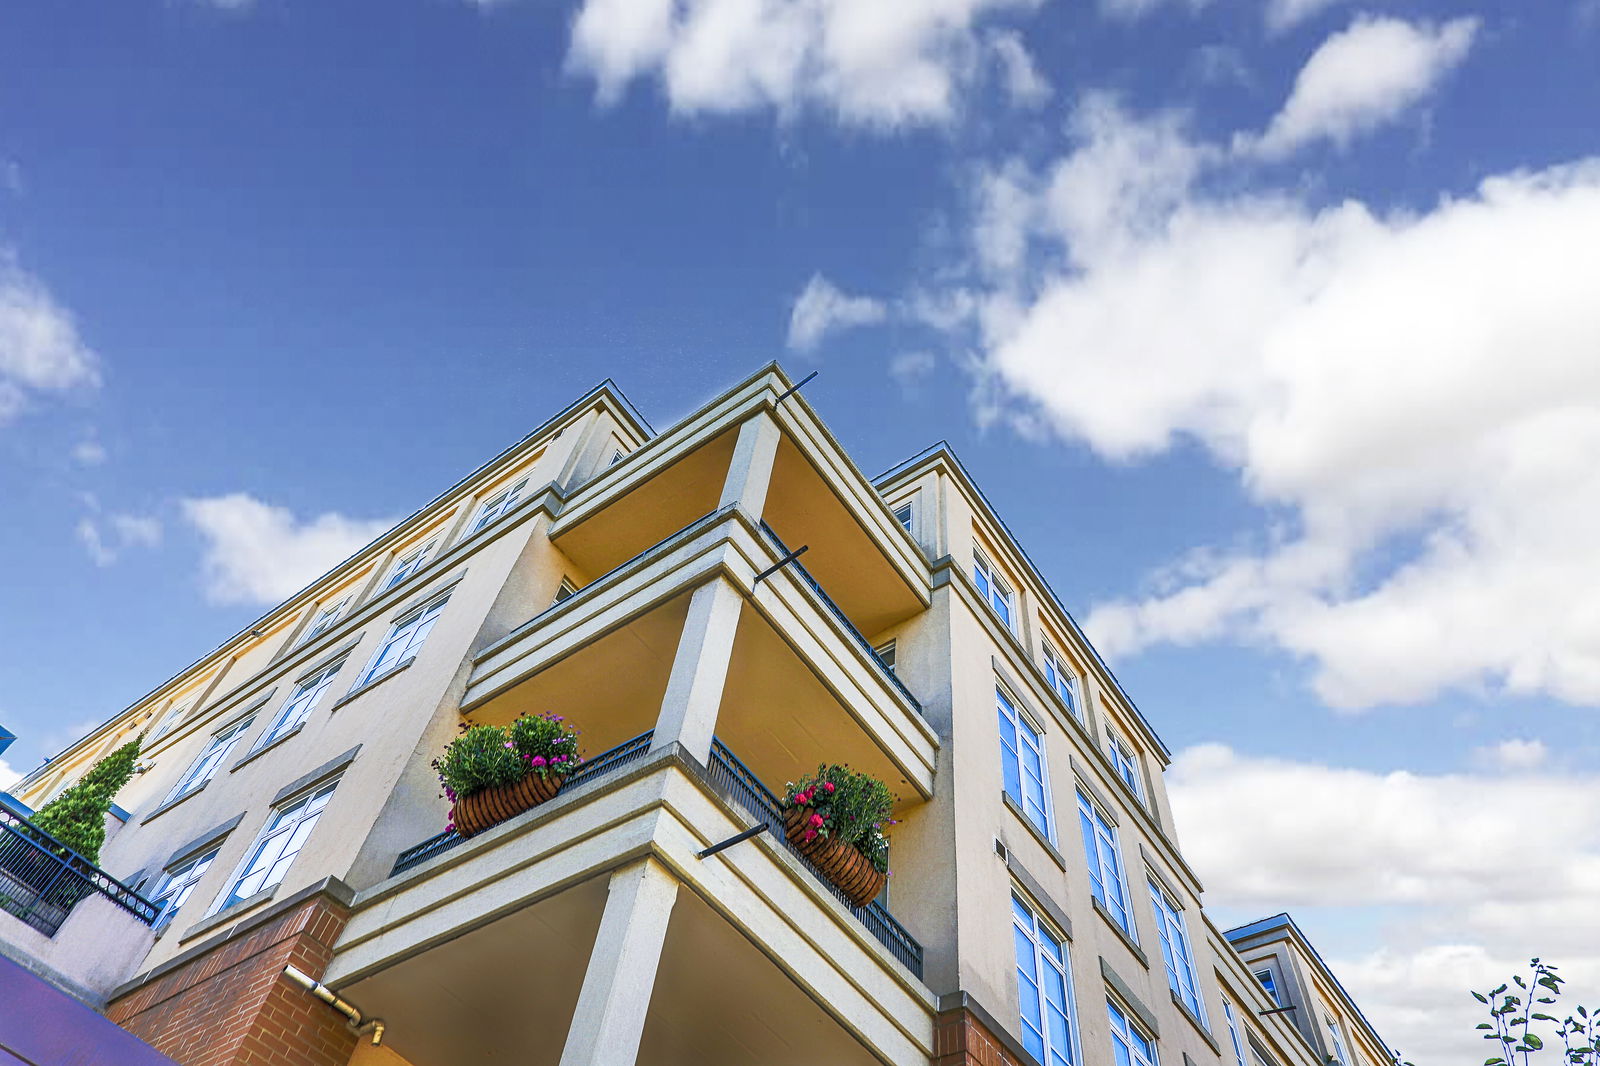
x,y
1272,990
497,505
370,672
886,653
177,881
998,586
1125,761
312,686
1061,678
268,832
1042,958
1340,1051
409,564
1100,826
564,591
1020,718
1173,932
1130,1025
223,741
909,522
1233,1031
170,720
325,619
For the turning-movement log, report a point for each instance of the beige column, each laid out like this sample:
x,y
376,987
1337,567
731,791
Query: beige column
x,y
750,471
699,670
609,1019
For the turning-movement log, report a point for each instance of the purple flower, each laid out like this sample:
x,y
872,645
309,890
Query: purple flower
x,y
537,760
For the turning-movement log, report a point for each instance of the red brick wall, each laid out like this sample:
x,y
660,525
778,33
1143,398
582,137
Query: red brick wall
x,y
960,1039
232,1006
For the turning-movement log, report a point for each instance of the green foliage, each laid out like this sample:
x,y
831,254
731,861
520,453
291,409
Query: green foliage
x,y
1513,1013
853,807
484,756
77,817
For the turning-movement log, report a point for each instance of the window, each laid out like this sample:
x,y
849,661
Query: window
x,y
565,591
1175,948
1233,1033
1128,1042
1124,762
172,891
324,620
1336,1041
1270,984
404,640
170,722
902,514
617,457
993,589
407,566
298,706
497,505
885,653
1062,680
285,834
1044,987
1105,864
206,765
1022,761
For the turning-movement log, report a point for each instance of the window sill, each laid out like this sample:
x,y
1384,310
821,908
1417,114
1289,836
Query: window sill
x,y
267,747
1044,841
227,914
171,803
366,686
1127,938
1199,1026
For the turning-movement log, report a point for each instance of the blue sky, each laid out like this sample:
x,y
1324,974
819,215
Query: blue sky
x,y
1268,325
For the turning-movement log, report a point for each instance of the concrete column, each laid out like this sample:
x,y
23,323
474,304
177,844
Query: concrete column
x,y
699,670
609,1019
750,472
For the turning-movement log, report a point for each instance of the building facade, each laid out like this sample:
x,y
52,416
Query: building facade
x,y
720,607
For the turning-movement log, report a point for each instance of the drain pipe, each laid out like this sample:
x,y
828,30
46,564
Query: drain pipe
x,y
331,998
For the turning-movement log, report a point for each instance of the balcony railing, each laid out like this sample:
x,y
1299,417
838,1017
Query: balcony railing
x,y
850,627
734,780
41,879
629,751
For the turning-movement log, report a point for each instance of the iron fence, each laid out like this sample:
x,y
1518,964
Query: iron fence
x,y
41,879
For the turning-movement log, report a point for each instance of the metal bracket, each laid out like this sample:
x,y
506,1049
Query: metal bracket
x,y
796,388
754,830
1276,1010
780,564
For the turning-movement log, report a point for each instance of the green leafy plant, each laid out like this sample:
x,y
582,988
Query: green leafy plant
x,y
848,806
484,756
77,817
1513,1012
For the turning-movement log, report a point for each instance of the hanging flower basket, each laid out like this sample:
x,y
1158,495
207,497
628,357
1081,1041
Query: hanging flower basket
x,y
491,773
836,818
477,811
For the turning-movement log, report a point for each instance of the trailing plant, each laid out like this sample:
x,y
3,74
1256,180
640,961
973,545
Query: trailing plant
x,y
1513,1012
847,806
77,817
485,756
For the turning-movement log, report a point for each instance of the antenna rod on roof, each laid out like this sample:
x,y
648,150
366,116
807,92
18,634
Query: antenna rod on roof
x,y
796,388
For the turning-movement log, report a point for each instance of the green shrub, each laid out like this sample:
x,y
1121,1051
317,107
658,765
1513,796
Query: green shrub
x,y
77,817
484,756
853,807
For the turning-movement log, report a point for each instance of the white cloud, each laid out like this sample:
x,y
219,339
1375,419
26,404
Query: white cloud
x,y
89,453
869,64
1412,398
8,775
1364,77
821,308
1286,14
1023,82
1482,872
1514,755
909,368
106,539
40,350
261,554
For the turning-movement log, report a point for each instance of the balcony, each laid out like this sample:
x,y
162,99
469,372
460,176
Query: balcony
x,y
42,880
476,950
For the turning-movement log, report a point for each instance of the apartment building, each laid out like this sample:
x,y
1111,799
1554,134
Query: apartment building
x,y
720,607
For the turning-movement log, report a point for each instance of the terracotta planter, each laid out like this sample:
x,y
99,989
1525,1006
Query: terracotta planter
x,y
851,871
477,811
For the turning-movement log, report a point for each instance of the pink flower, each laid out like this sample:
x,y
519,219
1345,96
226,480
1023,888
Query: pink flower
x,y
828,785
809,835
538,760
816,820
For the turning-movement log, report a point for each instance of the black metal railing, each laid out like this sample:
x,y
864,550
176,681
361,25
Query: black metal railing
x,y
41,879
850,627
629,751
733,780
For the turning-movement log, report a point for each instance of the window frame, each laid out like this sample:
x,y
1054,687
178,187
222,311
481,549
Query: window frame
x,y
1340,1050
992,585
299,704
1229,1014
272,829
564,591
1097,831
1173,932
1062,682
178,882
497,505
1022,725
1037,932
907,523
409,564
217,750
1125,762
429,612
325,619
887,653
171,718
1270,985
1126,1033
